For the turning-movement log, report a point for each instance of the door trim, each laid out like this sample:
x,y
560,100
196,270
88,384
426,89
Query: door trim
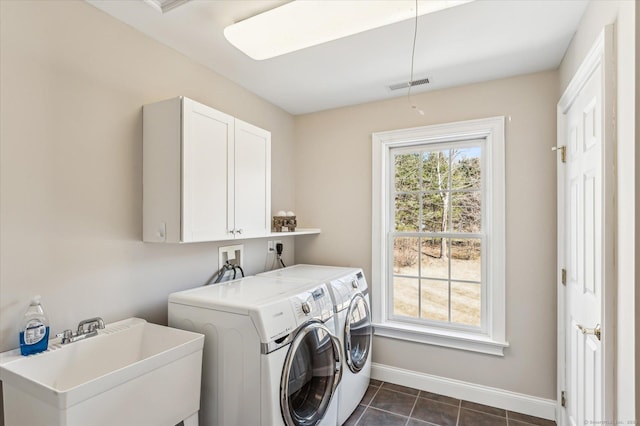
x,y
602,54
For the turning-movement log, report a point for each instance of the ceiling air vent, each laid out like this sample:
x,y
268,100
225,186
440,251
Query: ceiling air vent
x,y
409,83
164,6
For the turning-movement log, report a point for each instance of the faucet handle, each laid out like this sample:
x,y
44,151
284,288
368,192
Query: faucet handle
x,y
93,323
66,336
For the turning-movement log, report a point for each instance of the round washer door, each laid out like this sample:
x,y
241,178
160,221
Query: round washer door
x,y
312,371
357,333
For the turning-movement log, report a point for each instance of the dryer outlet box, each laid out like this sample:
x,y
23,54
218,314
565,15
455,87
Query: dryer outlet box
x,y
271,245
233,254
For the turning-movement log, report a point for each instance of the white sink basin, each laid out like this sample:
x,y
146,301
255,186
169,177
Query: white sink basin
x,y
131,373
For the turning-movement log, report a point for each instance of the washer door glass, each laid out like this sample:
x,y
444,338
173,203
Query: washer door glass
x,y
357,333
312,371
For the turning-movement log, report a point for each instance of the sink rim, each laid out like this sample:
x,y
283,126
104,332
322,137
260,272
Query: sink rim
x,y
66,398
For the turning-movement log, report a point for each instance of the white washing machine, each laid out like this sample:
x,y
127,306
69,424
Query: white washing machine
x,y
270,357
349,293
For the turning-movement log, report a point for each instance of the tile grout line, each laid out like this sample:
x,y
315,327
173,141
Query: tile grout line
x,y
374,395
484,412
423,397
357,421
404,393
459,410
506,414
390,412
368,404
412,408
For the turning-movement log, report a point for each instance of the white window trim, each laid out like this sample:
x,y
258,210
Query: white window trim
x,y
492,340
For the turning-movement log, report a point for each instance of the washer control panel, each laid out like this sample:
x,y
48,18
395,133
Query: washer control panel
x,y
313,303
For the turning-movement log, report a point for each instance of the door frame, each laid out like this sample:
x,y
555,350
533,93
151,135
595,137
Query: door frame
x,y
602,54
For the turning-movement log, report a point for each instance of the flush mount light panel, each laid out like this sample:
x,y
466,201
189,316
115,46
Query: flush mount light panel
x,y
305,23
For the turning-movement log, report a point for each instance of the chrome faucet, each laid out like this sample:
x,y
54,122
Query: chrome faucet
x,y
86,328
94,324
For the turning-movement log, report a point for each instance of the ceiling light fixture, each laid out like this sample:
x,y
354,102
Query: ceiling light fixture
x,y
304,23
164,6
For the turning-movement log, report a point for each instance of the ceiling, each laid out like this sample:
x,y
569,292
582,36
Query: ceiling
x,y
478,41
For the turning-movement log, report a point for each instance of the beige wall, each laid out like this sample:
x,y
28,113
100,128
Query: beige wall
x,y
73,81
333,173
623,15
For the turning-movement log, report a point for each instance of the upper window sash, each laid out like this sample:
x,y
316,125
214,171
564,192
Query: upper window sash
x,y
428,147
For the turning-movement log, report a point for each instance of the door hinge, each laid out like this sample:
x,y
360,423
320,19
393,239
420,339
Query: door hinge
x,y
564,276
563,152
563,398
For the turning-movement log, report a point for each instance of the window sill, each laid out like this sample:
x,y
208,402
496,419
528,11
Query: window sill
x,y
446,338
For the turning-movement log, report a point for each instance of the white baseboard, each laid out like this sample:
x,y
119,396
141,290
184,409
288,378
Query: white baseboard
x,y
512,401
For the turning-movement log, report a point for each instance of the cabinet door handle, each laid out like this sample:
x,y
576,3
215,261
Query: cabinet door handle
x,y
239,231
232,231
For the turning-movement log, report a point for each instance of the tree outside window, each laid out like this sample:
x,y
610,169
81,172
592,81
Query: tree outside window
x,y
437,233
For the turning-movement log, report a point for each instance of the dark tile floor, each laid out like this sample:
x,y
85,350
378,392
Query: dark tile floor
x,y
386,404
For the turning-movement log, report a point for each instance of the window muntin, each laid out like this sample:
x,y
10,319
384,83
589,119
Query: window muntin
x,y
436,238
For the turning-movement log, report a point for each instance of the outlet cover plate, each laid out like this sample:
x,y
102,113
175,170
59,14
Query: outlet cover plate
x,y
233,253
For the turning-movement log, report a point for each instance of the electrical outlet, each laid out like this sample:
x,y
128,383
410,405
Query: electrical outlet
x,y
270,247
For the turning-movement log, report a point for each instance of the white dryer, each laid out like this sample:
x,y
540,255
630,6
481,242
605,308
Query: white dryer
x,y
349,293
270,357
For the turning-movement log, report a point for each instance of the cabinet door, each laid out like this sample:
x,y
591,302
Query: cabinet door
x,y
207,181
252,176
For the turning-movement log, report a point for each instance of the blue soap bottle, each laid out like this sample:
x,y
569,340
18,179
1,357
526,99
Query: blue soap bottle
x,y
34,331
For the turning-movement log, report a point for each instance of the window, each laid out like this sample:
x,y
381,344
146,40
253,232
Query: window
x,y
438,241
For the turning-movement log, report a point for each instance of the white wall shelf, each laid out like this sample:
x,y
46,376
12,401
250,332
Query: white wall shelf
x,y
299,231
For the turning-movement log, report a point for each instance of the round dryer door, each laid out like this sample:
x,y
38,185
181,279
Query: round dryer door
x,y
357,333
312,371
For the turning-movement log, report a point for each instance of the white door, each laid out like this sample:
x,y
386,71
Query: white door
x,y
252,174
207,157
585,201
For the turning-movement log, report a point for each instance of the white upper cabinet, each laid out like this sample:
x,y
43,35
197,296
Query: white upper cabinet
x,y
206,175
252,180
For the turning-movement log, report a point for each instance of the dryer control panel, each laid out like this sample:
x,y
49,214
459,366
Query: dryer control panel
x,y
359,283
345,287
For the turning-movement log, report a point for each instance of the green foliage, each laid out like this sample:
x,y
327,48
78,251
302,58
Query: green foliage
x,y
438,191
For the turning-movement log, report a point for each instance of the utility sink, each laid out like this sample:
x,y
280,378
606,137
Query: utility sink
x,y
132,373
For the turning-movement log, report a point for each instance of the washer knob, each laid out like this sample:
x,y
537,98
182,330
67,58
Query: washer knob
x,y
354,284
306,308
